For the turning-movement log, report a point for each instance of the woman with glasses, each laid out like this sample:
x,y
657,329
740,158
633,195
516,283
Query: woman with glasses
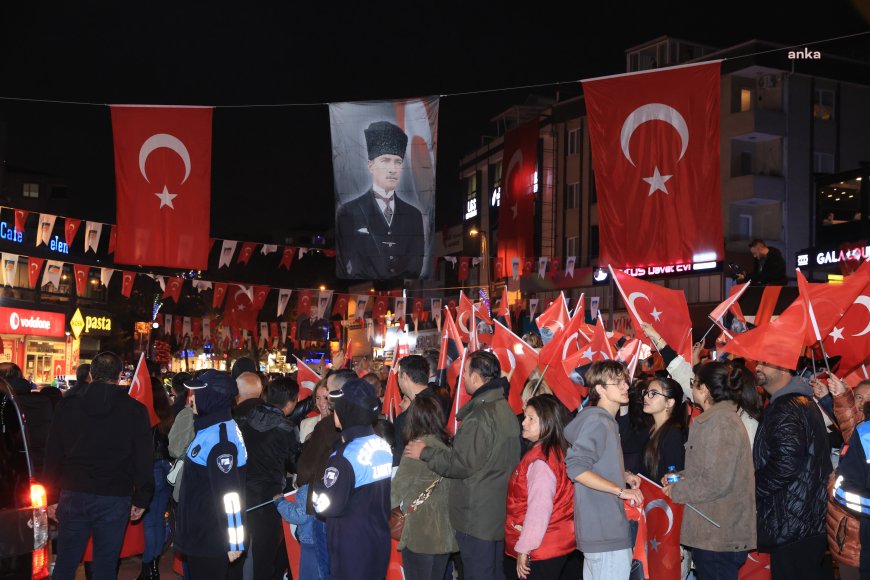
x,y
719,478
539,527
663,401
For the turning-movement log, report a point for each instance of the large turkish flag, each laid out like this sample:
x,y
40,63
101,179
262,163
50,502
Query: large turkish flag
x,y
655,151
163,176
517,203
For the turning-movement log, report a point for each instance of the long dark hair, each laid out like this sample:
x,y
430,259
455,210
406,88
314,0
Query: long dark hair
x,y
551,417
672,390
749,401
425,417
639,420
725,382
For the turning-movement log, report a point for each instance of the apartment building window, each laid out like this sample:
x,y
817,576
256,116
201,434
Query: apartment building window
x,y
823,105
745,100
573,141
823,163
30,190
573,195
572,246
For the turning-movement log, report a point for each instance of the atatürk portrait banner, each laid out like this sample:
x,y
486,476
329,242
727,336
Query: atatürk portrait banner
x,y
383,159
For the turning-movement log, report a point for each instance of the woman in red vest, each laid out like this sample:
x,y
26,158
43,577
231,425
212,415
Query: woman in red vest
x,y
539,528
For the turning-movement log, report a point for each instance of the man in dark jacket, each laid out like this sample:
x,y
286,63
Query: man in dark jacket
x,y
273,448
792,459
354,493
98,462
485,451
769,266
413,381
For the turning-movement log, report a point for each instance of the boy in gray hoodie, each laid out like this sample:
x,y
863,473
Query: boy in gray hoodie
x,y
594,462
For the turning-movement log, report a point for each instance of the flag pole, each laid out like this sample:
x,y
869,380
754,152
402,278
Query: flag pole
x,y
688,505
258,506
540,380
708,331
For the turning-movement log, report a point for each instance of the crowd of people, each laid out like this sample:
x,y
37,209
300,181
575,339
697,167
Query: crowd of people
x,y
539,495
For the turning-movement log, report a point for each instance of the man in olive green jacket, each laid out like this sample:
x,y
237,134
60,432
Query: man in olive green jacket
x,y
485,451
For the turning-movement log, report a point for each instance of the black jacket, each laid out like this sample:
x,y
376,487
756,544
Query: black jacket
x,y
101,443
273,449
792,459
369,248
769,271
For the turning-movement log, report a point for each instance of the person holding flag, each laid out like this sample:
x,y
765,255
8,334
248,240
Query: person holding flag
x,y
719,479
98,469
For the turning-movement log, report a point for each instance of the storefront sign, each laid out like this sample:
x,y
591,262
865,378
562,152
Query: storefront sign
x,y
813,257
10,234
91,323
32,322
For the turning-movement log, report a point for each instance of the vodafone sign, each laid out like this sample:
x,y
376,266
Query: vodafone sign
x,y
35,322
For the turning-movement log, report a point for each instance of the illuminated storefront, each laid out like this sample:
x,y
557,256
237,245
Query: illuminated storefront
x,y
37,341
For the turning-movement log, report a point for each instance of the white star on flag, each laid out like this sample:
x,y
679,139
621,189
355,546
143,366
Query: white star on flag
x,y
657,182
588,353
654,544
166,198
656,314
837,334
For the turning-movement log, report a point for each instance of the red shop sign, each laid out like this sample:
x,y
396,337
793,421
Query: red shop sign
x,y
34,322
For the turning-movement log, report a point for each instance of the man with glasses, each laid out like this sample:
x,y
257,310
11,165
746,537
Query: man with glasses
x,y
594,462
792,459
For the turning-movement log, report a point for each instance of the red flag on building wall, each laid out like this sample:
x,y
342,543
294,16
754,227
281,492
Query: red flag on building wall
x,y
381,307
516,211
655,151
498,271
69,230
239,311
113,236
260,295
140,389
339,307
303,303
163,177
463,269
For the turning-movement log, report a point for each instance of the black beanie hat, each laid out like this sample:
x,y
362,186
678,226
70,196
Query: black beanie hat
x,y
243,365
356,403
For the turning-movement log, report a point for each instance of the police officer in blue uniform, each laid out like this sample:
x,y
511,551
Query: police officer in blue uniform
x,y
354,494
210,529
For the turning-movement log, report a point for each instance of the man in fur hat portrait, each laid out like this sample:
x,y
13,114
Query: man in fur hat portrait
x,y
378,235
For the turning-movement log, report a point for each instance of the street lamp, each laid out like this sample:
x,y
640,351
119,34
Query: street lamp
x,y
484,254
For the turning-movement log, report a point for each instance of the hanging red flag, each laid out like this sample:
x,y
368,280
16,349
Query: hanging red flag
x,y
517,359
220,290
503,313
463,268
140,389
663,521
34,266
339,307
246,252
163,177
516,211
81,275
417,308
273,332
655,152
498,271
127,279
239,311
666,310
306,378
287,257
20,220
196,327
69,230
528,265
381,307
177,326
113,234
260,295
173,289
303,303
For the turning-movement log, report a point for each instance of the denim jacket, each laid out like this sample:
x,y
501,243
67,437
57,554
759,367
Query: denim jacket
x,y
294,512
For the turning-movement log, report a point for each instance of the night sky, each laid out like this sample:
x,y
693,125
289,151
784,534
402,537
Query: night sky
x,y
272,165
